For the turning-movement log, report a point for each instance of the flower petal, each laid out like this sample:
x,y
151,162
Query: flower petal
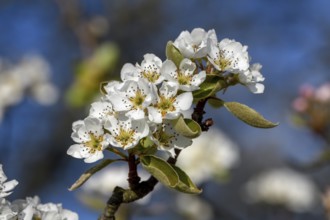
x,y
154,115
169,70
78,151
120,103
169,89
135,114
94,157
184,101
94,126
128,72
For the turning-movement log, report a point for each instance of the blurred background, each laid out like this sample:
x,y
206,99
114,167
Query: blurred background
x,y
72,45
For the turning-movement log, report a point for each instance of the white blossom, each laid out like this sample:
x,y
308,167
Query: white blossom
x,y
5,187
210,155
252,78
90,138
283,187
126,132
149,70
102,109
195,44
229,55
169,104
31,208
167,139
133,97
186,77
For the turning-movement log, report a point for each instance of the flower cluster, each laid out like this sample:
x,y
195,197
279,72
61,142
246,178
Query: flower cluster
x,y
31,75
29,208
226,57
153,93
312,107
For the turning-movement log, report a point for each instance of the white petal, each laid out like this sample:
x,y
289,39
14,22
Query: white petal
x,y
3,177
8,186
135,114
187,66
169,70
94,157
197,35
112,125
184,101
77,124
27,213
154,115
152,58
78,151
169,89
214,55
198,79
142,128
94,126
101,109
69,215
120,103
256,88
128,72
79,139
212,36
112,87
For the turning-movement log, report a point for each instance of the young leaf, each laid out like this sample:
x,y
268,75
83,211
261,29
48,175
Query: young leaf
x,y
185,184
85,176
187,127
160,169
172,53
248,115
209,87
215,102
145,147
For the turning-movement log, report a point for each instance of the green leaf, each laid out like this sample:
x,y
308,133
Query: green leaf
x,y
215,102
172,53
187,127
145,147
160,169
169,175
86,175
147,142
185,184
209,87
248,115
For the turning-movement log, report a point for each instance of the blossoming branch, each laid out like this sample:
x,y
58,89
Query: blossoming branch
x,y
145,113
